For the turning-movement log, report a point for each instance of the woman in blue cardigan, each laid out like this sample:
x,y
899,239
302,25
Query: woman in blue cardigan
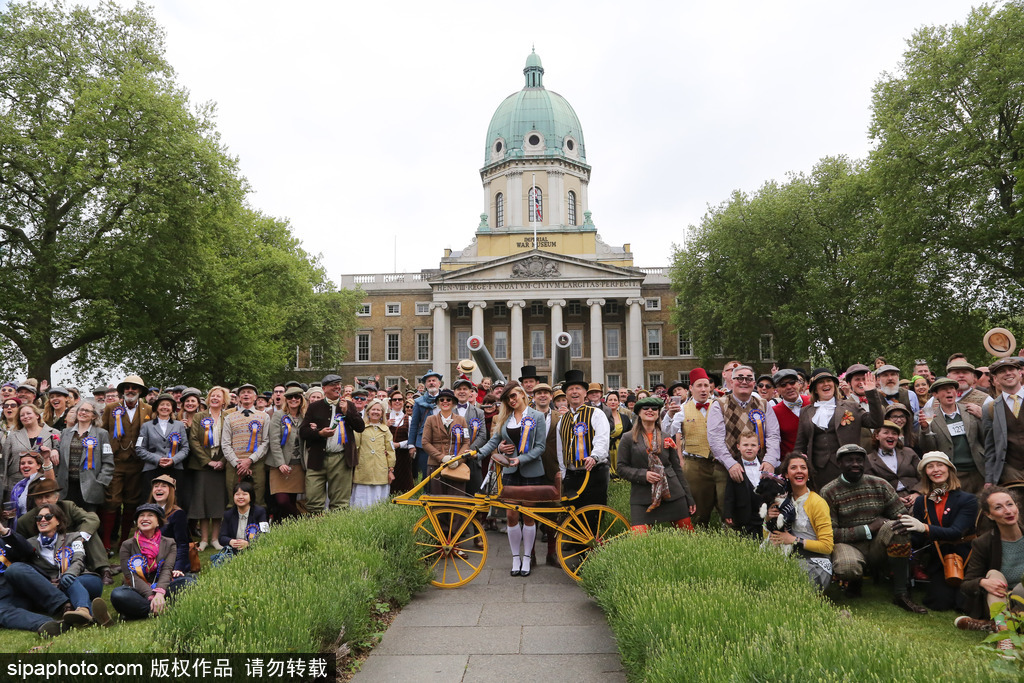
x,y
942,517
518,434
241,524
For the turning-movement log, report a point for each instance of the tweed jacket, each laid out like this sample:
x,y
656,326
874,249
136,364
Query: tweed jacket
x,y
938,439
906,469
161,576
986,554
437,439
124,447
994,428
76,566
531,463
476,413
199,454
846,434
319,414
277,454
94,480
16,443
423,407
632,466
155,445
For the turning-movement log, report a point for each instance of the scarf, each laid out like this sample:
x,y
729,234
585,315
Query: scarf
x,y
48,542
447,421
823,415
937,494
150,548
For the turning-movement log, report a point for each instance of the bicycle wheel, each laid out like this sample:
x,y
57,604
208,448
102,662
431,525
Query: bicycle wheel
x,y
447,538
588,528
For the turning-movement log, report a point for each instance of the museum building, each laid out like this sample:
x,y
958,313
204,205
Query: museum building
x,y
536,266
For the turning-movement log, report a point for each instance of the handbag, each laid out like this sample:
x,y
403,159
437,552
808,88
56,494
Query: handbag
x,y
458,473
952,563
193,557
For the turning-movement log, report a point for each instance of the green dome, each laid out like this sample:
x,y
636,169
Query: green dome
x,y
534,122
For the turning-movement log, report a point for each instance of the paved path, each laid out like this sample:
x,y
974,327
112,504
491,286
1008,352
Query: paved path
x,y
542,628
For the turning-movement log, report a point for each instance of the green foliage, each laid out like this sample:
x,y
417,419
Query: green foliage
x,y
712,606
302,585
1001,612
124,237
949,129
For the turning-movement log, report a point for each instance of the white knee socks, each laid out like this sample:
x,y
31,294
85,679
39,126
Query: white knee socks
x,y
515,539
529,536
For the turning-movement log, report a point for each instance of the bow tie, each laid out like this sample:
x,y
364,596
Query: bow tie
x,y
701,406
247,413
794,405
862,399
889,454
463,406
751,463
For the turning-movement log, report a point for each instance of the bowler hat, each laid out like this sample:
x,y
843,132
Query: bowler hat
x,y
151,507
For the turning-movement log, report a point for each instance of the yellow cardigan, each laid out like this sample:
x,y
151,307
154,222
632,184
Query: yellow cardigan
x,y
821,521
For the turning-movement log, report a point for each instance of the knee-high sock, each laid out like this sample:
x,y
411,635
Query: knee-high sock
x,y
108,520
529,536
515,539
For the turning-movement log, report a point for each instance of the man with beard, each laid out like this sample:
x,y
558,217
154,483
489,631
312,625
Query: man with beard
x,y
865,512
123,422
1004,425
957,433
423,407
888,383
787,409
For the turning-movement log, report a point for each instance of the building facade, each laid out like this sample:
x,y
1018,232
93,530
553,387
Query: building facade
x,y
535,266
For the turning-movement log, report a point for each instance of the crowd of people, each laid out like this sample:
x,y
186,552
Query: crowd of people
x,y
880,474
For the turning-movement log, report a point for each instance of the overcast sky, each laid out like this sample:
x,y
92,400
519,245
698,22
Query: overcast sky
x,y
364,123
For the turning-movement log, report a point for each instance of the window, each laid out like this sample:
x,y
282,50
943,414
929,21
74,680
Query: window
x,y
500,310
685,345
611,342
363,347
391,381
684,377
575,308
536,205
653,304
422,346
537,308
500,344
613,381
393,343
392,308
537,344
499,209
611,308
461,344
576,347
767,347
572,204
316,356
653,341
462,311
364,310
719,348
655,378
422,308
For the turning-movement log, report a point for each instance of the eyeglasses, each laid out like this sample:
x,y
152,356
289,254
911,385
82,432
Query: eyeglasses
x,y
294,398
488,406
44,518
764,386
742,378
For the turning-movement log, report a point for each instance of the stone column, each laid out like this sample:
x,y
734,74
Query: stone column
x,y
556,306
634,343
514,200
556,214
515,341
477,308
440,361
596,341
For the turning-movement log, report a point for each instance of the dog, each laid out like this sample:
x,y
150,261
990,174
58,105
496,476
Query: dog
x,y
774,490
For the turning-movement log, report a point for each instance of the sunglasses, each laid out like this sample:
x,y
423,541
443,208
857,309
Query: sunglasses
x,y
44,518
10,405
650,408
397,399
764,386
489,406
445,400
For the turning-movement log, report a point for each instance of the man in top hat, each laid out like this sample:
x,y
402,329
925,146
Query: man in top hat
x,y
582,446
707,476
963,372
732,414
528,379
787,409
1003,425
955,432
243,441
423,407
329,431
123,421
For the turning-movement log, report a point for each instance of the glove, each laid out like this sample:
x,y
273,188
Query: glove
x,y
913,524
66,580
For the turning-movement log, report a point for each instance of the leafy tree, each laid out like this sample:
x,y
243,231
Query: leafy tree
x,y
124,237
949,129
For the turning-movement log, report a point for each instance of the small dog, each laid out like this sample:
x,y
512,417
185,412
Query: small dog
x,y
774,490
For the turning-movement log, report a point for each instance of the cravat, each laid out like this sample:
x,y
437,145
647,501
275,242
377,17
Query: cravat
x,y
1016,405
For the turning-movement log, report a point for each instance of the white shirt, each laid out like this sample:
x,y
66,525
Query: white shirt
x,y
164,425
716,436
598,423
1019,395
131,411
752,468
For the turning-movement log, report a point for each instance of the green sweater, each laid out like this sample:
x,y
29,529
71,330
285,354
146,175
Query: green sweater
x,y
854,506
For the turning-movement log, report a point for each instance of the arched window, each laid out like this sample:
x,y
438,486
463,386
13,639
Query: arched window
x,y
499,210
572,208
536,205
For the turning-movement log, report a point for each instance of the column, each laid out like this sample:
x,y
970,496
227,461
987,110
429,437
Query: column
x,y
596,341
556,306
514,200
634,343
556,199
515,341
440,361
477,308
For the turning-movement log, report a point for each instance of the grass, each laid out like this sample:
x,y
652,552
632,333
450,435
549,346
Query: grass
x,y
309,585
712,606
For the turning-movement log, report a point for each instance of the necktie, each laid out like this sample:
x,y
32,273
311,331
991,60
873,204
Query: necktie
x,y
701,406
889,454
1016,405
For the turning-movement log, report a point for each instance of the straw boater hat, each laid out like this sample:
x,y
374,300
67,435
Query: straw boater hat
x,y
1000,342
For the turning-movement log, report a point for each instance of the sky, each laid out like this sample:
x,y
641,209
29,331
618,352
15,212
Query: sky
x,y
364,124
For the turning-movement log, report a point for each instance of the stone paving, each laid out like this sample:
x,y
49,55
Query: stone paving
x,y
498,628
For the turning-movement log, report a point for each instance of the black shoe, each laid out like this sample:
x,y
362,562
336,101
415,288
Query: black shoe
x,y
854,588
904,602
551,561
515,572
51,628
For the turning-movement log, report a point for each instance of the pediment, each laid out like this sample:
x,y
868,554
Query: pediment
x,y
538,265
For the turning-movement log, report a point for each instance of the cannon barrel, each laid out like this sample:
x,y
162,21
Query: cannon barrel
x,y
484,361
561,363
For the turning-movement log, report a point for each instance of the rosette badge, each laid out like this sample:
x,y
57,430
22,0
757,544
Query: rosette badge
x,y
63,558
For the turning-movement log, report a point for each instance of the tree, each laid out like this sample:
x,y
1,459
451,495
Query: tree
x,y
949,130
125,237
803,262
